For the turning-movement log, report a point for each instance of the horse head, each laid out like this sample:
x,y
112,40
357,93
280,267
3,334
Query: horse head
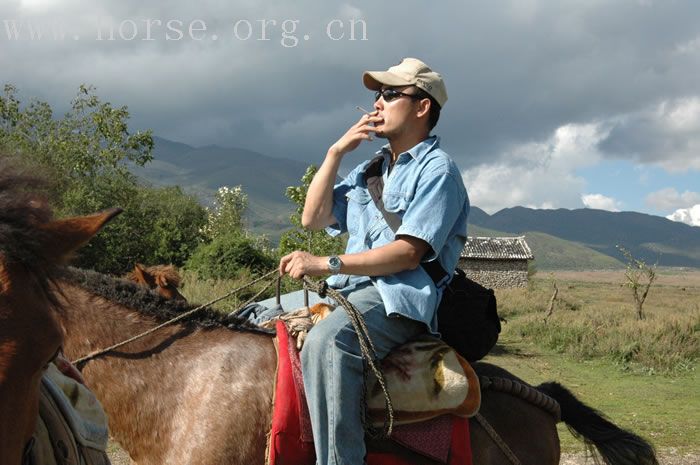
x,y
163,278
32,246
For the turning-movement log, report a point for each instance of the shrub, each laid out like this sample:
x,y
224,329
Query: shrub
x,y
159,225
227,255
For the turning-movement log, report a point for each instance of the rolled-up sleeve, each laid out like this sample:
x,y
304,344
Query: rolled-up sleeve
x,y
433,211
340,201
340,209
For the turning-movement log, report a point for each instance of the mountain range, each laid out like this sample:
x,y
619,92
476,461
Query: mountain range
x,y
560,238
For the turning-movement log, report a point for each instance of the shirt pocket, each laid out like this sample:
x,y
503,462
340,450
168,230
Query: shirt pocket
x,y
396,201
358,199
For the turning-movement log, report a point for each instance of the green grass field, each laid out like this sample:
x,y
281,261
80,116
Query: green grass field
x,y
642,374
663,409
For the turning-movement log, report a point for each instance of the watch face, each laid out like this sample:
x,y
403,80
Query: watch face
x,y
334,263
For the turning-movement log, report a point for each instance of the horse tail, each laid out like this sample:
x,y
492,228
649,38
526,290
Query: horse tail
x,y
615,445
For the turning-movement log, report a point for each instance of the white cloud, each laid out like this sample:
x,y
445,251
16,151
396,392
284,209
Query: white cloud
x,y
670,199
666,134
538,174
688,47
690,216
37,5
601,202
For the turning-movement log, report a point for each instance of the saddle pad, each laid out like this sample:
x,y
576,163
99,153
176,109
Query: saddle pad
x,y
289,412
70,420
290,440
426,378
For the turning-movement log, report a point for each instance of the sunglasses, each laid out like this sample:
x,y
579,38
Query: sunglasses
x,y
392,94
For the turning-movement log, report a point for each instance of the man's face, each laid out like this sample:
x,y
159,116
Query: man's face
x,y
396,110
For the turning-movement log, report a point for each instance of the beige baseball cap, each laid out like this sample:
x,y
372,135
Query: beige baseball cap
x,y
410,72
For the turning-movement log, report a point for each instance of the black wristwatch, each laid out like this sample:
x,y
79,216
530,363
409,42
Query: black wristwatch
x,y
334,264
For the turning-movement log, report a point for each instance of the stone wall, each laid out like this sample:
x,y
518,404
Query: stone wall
x,y
496,273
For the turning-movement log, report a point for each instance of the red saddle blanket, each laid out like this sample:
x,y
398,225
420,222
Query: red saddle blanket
x,y
444,439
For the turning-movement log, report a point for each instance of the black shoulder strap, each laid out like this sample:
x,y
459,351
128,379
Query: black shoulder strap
x,y
375,186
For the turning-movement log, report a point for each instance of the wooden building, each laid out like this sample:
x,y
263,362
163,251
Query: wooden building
x,y
496,262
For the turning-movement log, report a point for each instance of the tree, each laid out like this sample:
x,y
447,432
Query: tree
x,y
300,238
159,225
91,139
87,154
640,276
226,216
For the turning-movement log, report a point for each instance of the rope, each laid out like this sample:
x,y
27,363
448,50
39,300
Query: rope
x,y
523,391
497,439
94,354
369,355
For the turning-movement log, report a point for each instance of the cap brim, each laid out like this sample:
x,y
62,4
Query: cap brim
x,y
374,80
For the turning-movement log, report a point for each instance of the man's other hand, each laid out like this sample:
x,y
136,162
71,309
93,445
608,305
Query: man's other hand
x,y
299,264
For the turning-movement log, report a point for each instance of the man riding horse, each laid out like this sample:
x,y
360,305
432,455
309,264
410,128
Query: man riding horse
x,y
379,272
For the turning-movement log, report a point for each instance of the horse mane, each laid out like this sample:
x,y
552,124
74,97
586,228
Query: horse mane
x,y
150,303
23,208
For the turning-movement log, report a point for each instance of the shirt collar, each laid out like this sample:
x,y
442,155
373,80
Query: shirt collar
x,y
417,151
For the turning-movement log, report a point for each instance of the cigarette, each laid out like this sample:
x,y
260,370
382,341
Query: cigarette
x,y
366,113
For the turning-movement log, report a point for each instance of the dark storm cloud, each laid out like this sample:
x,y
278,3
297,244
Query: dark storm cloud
x,y
516,71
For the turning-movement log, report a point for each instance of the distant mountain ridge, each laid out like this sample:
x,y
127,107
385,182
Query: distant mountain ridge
x,y
570,239
651,238
202,170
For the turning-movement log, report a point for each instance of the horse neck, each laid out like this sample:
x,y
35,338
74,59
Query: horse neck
x,y
29,337
169,377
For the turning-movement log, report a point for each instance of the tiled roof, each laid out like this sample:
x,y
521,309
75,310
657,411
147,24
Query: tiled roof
x,y
497,248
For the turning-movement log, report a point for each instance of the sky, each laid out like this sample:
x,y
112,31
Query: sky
x,y
552,104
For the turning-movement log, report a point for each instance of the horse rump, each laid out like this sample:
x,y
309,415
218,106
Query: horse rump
x,y
615,445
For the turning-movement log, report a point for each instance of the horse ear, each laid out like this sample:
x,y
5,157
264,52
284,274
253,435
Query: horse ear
x,y
162,281
67,235
143,276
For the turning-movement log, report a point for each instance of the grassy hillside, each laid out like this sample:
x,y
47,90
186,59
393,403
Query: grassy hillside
x,y
553,253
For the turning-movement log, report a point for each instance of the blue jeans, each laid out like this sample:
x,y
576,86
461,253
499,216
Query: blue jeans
x,y
332,367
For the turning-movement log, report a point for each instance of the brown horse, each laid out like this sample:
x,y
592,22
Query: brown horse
x,y
199,392
32,245
164,279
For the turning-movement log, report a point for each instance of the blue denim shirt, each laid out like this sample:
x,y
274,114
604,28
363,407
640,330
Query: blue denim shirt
x,y
426,190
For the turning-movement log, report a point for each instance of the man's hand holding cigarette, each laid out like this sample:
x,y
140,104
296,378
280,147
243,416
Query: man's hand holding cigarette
x,y
362,130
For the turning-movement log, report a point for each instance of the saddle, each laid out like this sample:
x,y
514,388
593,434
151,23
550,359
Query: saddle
x,y
433,391
72,427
